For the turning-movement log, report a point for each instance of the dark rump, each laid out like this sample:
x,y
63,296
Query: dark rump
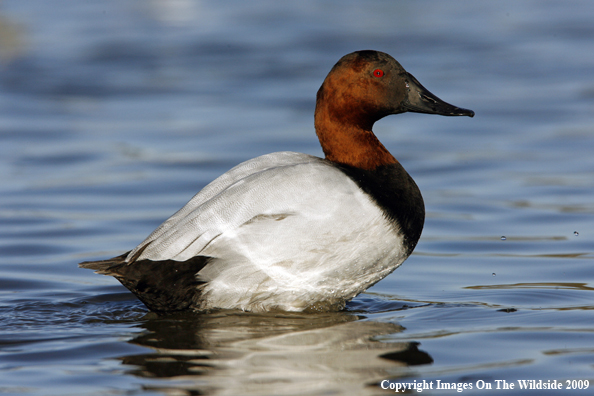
x,y
163,286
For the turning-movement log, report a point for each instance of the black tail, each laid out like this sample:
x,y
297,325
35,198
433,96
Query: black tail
x,y
163,286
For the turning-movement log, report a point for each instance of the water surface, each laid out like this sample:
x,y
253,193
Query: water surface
x,y
114,113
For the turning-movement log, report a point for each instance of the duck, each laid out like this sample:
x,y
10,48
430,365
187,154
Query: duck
x,y
289,231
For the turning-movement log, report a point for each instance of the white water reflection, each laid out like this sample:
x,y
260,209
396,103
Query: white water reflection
x,y
282,354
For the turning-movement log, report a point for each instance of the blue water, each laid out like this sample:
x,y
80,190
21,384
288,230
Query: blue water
x,y
114,113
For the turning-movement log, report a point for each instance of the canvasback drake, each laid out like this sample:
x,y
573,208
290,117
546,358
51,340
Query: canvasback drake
x,y
290,231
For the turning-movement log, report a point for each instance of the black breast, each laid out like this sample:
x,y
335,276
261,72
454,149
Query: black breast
x,y
397,194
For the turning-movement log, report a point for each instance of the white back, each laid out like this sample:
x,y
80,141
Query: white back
x,y
307,233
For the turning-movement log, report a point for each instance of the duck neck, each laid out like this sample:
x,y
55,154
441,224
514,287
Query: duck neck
x,y
347,143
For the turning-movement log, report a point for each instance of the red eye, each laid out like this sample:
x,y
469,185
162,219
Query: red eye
x,y
378,73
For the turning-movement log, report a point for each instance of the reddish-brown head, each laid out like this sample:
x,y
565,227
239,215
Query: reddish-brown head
x,y
362,88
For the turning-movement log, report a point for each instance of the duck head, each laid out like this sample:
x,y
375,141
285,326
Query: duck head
x,y
362,88
365,86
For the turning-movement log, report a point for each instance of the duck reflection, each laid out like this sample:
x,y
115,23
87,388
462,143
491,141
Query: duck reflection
x,y
281,354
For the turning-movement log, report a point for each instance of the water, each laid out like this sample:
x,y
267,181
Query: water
x,y
114,113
